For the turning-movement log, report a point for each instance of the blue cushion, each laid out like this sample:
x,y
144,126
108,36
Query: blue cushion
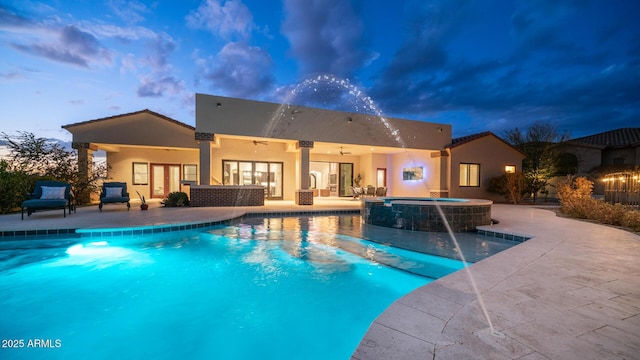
x,y
116,199
44,203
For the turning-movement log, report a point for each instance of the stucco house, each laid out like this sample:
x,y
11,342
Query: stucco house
x,y
285,148
609,151
485,154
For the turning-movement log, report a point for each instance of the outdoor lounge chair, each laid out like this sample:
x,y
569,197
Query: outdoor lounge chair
x,y
114,192
48,195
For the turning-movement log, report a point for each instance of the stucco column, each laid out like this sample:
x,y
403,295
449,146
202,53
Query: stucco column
x,y
85,168
305,147
205,140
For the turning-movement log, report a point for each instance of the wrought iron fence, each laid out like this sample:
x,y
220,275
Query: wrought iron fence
x,y
622,188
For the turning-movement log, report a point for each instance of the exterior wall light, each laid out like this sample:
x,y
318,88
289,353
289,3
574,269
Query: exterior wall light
x,y
510,169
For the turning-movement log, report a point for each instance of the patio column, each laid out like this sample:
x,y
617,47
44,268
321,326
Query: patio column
x,y
305,147
205,139
304,196
85,168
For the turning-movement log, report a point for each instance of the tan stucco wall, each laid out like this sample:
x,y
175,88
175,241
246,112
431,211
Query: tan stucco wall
x,y
143,129
414,188
493,154
270,120
121,164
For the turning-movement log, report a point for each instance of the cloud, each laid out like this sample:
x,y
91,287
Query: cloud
x,y
9,20
161,47
129,11
227,19
326,36
12,75
73,46
237,70
158,86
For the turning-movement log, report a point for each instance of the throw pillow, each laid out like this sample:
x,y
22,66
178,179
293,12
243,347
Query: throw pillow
x,y
53,192
113,191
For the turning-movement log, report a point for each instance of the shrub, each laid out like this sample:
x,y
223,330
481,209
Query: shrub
x,y
512,186
631,220
14,185
176,199
576,201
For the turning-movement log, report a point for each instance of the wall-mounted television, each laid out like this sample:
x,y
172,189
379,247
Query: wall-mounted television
x,y
412,173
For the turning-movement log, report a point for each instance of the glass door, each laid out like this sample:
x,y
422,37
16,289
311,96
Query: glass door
x,y
346,179
275,181
165,179
267,174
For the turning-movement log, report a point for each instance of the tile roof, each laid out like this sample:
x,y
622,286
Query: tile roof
x,y
469,138
132,113
625,137
465,139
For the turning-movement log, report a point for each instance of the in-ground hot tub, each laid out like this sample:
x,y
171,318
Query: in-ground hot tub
x,y
421,213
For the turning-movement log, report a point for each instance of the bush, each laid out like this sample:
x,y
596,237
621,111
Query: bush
x,y
512,186
176,199
576,201
14,185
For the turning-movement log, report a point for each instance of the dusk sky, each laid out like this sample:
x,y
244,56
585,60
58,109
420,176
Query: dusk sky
x,y
485,65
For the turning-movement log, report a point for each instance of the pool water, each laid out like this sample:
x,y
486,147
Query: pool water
x,y
286,288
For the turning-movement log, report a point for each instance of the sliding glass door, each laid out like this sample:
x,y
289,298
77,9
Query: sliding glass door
x,y
267,174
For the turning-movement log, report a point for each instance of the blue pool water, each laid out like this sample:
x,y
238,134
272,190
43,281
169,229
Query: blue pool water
x,y
278,288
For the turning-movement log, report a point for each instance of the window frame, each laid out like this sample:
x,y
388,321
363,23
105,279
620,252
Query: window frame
x,y
468,175
134,178
184,172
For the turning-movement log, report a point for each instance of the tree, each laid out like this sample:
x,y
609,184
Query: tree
x,y
540,143
41,158
14,185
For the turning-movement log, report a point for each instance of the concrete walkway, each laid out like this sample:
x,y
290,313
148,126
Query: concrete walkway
x,y
572,292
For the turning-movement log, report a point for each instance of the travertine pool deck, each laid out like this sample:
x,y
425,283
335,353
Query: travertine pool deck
x,y
571,292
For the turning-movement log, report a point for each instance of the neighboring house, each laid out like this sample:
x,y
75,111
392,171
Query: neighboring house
x,y
609,151
475,160
287,148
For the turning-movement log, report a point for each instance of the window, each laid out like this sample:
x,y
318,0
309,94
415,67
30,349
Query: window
x,y
510,169
470,175
190,172
264,173
140,173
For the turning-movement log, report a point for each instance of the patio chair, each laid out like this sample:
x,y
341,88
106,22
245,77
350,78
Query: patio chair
x,y
371,191
356,191
381,191
48,194
114,193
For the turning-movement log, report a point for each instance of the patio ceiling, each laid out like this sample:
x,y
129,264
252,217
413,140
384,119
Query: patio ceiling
x,y
323,147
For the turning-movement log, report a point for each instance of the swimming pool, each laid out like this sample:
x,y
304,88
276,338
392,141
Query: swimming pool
x,y
271,288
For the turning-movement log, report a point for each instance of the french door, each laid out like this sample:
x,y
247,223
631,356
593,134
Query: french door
x,y
165,179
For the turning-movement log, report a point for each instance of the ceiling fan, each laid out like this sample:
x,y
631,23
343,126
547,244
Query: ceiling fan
x,y
342,152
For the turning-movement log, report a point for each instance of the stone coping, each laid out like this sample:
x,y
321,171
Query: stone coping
x,y
428,201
